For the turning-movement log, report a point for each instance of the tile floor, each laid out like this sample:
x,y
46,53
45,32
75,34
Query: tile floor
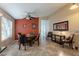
x,y
48,48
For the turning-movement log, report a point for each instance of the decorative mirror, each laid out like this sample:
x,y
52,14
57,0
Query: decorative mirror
x,y
34,26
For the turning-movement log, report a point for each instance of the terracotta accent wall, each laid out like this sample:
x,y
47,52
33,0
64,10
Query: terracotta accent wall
x,y
25,26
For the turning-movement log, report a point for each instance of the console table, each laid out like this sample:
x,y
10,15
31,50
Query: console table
x,y
58,38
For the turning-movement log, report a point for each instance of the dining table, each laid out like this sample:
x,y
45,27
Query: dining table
x,y
30,40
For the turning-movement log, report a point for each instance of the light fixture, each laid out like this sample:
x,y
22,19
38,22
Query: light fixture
x,y
27,18
74,6
24,25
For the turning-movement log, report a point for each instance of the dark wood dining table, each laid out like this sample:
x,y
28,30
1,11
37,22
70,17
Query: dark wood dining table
x,y
30,40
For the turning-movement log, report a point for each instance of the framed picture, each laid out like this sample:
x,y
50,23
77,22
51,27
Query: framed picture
x,y
61,26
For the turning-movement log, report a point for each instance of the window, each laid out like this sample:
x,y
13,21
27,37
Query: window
x,y
6,29
44,29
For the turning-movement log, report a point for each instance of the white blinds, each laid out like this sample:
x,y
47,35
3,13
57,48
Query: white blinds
x,y
6,29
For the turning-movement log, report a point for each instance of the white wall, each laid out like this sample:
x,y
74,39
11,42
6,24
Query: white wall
x,y
5,43
66,14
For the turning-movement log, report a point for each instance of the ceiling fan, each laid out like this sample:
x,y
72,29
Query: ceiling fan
x,y
29,16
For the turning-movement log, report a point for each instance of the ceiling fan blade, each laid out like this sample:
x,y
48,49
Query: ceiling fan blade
x,y
29,16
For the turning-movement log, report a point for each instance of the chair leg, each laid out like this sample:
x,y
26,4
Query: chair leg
x,y
38,42
25,47
19,46
71,45
63,45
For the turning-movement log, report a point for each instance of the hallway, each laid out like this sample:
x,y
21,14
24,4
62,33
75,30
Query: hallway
x,y
48,49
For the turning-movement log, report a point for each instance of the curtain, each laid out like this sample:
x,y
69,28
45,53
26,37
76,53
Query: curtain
x,y
44,29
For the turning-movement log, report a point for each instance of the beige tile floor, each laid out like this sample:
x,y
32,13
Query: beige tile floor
x,y
47,48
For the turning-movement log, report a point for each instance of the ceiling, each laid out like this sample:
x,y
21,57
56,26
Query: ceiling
x,y
19,10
